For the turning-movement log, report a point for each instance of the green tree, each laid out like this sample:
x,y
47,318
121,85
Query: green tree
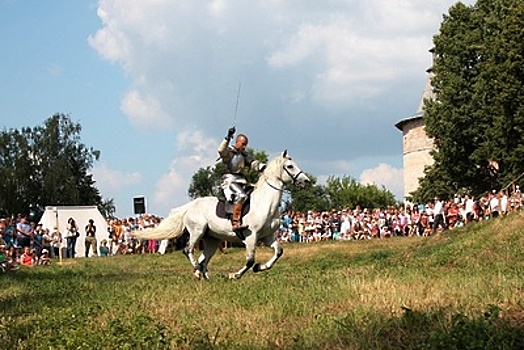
x,y
313,197
205,182
107,208
347,192
477,118
46,165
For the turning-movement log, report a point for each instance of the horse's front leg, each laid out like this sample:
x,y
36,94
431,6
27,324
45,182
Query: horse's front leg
x,y
270,241
249,242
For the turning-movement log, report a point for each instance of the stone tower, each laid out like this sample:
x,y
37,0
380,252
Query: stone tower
x,y
416,144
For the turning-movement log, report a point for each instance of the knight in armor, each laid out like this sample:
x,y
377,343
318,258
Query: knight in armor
x,y
234,181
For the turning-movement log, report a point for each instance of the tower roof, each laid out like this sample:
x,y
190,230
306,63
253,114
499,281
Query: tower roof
x,y
427,94
400,124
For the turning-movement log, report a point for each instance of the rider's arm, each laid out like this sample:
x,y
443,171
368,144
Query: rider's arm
x,y
253,163
223,150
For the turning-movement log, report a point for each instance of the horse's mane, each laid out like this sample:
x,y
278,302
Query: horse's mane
x,y
273,169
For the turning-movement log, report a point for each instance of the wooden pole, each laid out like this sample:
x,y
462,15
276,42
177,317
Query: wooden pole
x,y
57,225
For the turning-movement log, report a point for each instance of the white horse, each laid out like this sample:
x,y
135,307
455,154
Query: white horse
x,y
199,218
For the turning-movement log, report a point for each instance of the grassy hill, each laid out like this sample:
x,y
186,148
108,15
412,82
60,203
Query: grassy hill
x,y
463,289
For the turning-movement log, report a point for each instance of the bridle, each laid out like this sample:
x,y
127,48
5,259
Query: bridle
x,y
293,178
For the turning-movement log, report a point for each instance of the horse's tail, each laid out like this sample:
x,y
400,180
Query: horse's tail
x,y
170,227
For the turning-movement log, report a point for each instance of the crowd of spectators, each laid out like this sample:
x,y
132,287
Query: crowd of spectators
x,y
24,242
412,220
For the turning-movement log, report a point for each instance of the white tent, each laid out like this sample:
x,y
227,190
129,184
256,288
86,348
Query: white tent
x,y
60,215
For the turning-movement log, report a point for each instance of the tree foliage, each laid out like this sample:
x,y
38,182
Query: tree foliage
x,y
313,197
477,118
347,192
46,165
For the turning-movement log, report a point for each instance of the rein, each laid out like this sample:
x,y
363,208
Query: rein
x,y
273,186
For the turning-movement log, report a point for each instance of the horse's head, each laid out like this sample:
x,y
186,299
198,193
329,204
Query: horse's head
x,y
289,171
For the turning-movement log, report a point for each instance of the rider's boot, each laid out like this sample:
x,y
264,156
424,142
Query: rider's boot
x,y
238,228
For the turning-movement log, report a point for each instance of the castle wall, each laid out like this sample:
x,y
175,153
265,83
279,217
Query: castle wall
x,y
416,153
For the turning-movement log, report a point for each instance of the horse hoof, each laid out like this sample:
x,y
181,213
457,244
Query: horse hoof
x,y
198,275
233,276
256,268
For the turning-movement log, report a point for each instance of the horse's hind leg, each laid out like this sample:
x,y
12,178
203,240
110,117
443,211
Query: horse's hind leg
x,y
189,250
210,247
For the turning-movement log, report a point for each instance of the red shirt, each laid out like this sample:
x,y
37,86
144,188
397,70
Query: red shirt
x,y
26,259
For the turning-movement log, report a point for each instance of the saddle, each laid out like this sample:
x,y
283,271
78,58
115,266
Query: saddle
x,y
224,208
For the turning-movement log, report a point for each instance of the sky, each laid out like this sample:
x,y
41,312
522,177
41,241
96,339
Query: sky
x,y
156,84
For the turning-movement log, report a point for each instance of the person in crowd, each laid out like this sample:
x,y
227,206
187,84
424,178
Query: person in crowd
x,y
3,253
72,234
469,206
345,226
56,242
503,196
90,240
24,232
27,258
439,220
7,230
415,221
38,239
7,262
453,216
104,250
493,205
43,259
234,181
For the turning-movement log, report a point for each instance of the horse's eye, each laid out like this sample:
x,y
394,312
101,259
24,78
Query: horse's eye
x,y
289,166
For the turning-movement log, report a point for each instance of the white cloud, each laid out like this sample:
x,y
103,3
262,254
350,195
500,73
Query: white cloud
x,y
171,188
341,51
385,175
144,110
111,182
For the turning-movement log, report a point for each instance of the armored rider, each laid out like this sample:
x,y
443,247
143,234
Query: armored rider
x,y
234,181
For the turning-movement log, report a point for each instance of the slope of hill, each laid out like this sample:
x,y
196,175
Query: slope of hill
x,y
462,289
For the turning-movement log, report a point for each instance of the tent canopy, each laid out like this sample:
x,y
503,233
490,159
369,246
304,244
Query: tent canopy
x,y
58,216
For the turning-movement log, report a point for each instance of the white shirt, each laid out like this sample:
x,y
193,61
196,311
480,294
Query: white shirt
x,y
345,226
469,206
438,208
504,203
494,204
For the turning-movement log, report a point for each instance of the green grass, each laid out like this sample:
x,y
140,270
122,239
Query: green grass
x,y
461,290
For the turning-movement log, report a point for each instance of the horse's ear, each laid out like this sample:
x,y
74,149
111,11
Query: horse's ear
x,y
284,154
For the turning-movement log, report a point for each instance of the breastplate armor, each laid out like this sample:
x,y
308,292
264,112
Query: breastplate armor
x,y
236,163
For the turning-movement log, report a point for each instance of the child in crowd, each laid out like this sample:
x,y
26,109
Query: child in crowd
x,y
44,258
104,250
27,258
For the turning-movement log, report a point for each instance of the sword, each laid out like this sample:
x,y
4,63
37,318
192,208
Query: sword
x,y
236,106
